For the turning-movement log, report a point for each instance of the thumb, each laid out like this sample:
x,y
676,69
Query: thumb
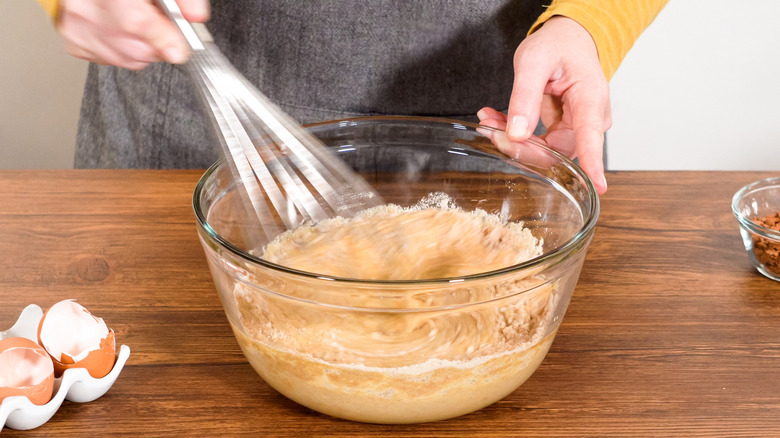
x,y
531,78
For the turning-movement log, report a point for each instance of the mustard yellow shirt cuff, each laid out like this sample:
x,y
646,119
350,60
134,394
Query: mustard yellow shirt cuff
x,y
614,25
50,6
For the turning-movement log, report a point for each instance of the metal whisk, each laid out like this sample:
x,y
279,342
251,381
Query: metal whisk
x,y
286,172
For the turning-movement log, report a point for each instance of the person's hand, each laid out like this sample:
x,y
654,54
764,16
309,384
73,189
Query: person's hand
x,y
126,33
558,78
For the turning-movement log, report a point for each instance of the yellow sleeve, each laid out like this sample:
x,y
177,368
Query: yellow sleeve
x,y
614,24
50,6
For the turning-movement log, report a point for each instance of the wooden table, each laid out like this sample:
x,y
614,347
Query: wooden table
x,y
670,332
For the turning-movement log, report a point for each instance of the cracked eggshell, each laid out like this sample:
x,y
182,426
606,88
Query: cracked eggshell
x,y
26,370
74,338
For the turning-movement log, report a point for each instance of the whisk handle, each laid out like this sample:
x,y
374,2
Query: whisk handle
x,y
196,34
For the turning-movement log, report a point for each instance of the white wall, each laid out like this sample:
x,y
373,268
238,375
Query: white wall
x,y
700,90
40,90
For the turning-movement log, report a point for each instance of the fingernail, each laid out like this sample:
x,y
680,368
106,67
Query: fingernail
x,y
604,181
481,114
518,128
487,133
175,55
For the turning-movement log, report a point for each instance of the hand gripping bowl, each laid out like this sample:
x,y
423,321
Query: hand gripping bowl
x,y
407,351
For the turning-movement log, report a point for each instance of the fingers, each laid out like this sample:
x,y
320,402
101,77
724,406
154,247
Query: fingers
x,y
495,119
126,33
140,54
591,156
196,11
490,117
166,38
150,25
563,141
521,151
585,143
591,117
589,150
583,136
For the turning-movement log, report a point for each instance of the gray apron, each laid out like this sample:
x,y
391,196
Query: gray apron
x,y
318,60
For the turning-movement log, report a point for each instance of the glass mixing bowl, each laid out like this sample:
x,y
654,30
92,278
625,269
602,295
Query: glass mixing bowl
x,y
757,209
407,351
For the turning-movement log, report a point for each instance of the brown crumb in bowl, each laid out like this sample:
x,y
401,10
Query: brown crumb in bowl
x,y
768,251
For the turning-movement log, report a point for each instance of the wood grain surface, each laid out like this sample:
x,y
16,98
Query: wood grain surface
x,y
671,332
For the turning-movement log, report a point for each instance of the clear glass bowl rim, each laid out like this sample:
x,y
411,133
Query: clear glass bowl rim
x,y
746,222
560,251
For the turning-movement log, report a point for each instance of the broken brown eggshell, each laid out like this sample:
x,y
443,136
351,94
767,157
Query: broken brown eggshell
x,y
25,370
74,338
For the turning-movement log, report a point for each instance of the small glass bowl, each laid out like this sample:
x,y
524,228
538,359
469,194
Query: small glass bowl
x,y
751,206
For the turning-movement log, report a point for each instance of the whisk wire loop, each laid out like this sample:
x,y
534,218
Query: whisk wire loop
x,y
285,172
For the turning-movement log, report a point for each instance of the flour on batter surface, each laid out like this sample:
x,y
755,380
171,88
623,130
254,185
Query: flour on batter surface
x,y
433,239
408,353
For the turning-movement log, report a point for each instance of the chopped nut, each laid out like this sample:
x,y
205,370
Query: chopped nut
x,y
768,251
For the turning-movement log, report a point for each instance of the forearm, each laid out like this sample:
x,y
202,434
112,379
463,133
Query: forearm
x,y
614,25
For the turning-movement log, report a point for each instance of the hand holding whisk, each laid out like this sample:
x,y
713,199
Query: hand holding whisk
x,y
286,172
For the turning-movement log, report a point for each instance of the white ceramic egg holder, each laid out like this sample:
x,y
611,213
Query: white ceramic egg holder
x,y
76,384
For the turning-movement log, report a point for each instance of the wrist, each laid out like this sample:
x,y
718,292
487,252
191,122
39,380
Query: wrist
x,y
574,31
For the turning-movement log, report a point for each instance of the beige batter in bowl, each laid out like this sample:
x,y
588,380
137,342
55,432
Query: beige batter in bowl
x,y
456,312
